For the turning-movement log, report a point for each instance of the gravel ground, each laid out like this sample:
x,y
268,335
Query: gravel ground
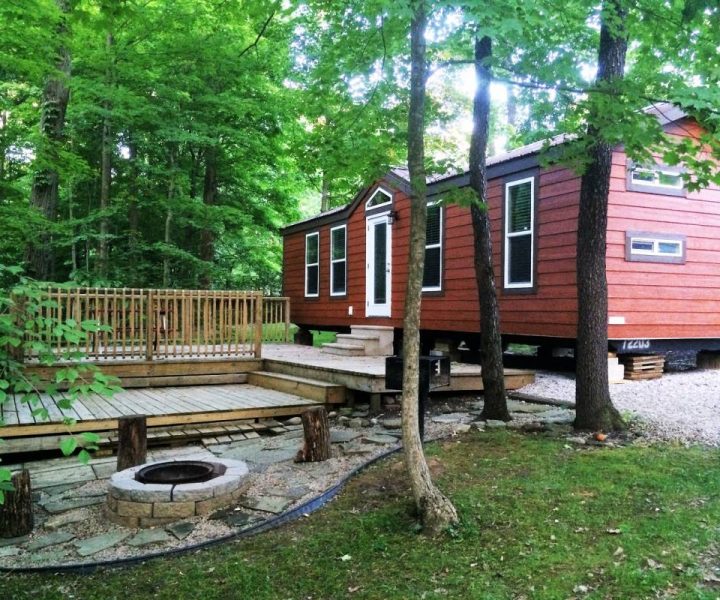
x,y
680,406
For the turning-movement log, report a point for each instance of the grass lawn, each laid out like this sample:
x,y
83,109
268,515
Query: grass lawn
x,y
539,520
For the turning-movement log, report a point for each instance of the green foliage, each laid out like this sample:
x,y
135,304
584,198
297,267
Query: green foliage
x,y
28,333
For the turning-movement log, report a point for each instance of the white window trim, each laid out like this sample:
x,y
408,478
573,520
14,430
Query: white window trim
x,y
315,234
375,193
656,171
338,260
437,288
656,247
508,235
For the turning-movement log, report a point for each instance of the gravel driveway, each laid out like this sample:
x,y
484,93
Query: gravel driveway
x,y
682,406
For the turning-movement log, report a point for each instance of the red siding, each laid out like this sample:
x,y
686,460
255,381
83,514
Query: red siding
x,y
456,307
657,300
661,300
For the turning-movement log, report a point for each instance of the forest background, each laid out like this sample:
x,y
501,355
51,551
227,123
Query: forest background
x,y
163,143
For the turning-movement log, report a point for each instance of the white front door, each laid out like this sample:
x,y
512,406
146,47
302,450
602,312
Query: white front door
x,y
378,260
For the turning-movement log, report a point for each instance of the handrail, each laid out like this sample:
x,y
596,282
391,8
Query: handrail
x,y
148,324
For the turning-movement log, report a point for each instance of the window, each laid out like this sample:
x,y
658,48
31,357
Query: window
x,y
338,260
519,236
654,247
312,264
379,198
657,179
432,275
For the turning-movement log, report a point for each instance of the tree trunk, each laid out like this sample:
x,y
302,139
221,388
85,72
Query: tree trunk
x,y
491,356
105,173
512,116
16,513
133,208
325,194
207,236
71,216
168,220
436,512
316,429
594,409
132,441
44,192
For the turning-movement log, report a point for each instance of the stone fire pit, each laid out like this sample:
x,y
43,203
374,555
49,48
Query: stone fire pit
x,y
158,493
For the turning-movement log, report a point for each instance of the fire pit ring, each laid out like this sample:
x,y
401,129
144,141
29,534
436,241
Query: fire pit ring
x,y
158,493
180,471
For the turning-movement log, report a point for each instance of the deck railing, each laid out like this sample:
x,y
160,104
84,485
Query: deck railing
x,y
145,324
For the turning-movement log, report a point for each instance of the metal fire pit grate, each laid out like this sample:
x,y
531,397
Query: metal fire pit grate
x,y
178,472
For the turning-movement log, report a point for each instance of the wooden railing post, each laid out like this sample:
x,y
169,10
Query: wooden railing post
x,y
287,320
258,324
17,310
150,326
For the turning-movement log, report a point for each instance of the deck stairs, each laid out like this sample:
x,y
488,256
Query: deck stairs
x,y
363,340
312,389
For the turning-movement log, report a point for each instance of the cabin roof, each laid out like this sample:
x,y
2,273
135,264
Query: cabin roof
x,y
666,113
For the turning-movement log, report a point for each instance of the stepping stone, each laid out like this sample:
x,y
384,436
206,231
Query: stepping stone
x,y
57,506
297,491
59,490
240,519
526,407
358,448
395,423
9,551
556,416
51,556
56,477
342,436
103,471
181,529
269,504
451,418
51,539
13,541
293,421
66,518
379,439
149,536
98,543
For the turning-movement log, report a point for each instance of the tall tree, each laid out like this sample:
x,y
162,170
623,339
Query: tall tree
x,y
594,408
44,191
491,354
436,512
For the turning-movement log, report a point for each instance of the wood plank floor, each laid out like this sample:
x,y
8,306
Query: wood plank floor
x,y
163,406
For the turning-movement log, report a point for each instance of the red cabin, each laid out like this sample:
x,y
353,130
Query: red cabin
x,y
348,266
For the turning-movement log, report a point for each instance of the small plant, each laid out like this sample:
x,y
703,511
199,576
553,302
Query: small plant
x,y
28,332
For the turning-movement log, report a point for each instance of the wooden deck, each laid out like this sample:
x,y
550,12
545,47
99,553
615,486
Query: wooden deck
x,y
367,373
211,390
164,406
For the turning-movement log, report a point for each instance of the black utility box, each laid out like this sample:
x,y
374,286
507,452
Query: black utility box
x,y
434,372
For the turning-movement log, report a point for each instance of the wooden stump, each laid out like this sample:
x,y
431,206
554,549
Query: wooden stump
x,y
16,514
132,441
708,359
316,428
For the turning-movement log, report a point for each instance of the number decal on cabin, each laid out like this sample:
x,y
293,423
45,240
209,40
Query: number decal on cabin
x,y
635,345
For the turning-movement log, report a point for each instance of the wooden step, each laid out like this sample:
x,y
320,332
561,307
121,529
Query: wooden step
x,y
343,349
370,343
175,380
320,391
